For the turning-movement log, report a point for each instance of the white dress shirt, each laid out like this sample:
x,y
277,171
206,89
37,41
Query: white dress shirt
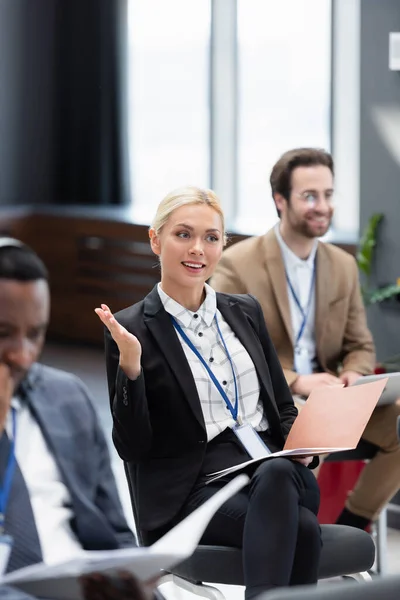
x,y
201,329
50,499
300,273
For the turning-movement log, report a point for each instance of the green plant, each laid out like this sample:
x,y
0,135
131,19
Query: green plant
x,y
365,255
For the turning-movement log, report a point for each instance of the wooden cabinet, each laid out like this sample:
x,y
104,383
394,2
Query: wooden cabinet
x,y
90,260
93,255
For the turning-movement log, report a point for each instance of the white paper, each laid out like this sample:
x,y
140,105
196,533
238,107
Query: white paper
x,y
187,534
60,581
282,453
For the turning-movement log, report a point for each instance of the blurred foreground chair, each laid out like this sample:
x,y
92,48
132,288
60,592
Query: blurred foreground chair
x,y
382,588
345,551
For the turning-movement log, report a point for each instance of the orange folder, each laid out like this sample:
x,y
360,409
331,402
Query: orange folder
x,y
332,419
335,416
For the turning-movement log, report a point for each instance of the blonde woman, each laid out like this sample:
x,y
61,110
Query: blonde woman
x,y
186,369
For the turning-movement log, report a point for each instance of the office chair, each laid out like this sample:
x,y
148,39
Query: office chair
x,y
345,551
365,451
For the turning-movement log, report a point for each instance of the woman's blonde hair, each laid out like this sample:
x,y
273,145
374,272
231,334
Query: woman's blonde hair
x,y
186,196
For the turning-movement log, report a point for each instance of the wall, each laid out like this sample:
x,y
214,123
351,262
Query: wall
x,y
43,153
379,171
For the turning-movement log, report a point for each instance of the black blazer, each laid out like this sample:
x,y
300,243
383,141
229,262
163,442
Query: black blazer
x,y
158,423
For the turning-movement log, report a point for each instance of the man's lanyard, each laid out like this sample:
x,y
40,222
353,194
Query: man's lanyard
x,y
9,472
233,408
304,312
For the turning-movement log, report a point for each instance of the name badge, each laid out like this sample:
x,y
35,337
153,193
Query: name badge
x,y
6,543
252,442
302,362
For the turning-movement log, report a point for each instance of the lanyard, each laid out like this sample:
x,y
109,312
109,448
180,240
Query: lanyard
x,y
9,472
306,312
233,408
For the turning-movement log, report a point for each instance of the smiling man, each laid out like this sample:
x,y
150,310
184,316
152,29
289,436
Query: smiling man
x,y
310,296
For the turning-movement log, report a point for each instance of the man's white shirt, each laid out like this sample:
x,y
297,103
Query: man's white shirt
x,y
300,273
50,498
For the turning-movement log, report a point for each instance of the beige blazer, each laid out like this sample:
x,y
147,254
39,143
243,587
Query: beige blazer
x,y
255,266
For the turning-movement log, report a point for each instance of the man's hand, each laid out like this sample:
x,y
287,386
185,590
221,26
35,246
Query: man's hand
x,y
304,384
122,586
349,377
6,392
129,347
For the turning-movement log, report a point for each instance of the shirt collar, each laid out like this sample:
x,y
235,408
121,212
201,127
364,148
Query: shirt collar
x,y
206,312
290,259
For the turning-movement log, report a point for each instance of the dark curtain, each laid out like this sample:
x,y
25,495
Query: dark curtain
x,y
90,102
63,102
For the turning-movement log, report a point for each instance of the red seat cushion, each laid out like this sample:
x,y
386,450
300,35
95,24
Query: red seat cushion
x,y
336,480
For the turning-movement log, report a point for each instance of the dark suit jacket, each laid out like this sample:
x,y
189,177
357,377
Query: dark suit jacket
x,y
61,405
158,421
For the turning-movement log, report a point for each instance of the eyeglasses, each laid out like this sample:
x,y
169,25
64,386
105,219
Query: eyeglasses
x,y
314,198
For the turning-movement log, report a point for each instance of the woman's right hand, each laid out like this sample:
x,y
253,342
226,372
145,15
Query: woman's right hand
x,y
129,346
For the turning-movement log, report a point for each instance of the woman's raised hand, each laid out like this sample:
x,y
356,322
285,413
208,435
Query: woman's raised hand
x,y
129,346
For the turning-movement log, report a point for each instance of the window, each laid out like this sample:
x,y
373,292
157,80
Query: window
x,y
168,99
220,114
284,62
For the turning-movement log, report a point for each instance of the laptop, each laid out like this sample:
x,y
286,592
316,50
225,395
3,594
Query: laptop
x,y
391,392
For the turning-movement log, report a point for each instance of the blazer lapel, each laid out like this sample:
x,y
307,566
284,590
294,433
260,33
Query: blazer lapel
x,y
58,439
275,266
322,297
160,325
238,322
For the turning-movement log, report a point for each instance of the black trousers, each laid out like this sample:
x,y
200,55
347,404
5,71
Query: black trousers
x,y
273,519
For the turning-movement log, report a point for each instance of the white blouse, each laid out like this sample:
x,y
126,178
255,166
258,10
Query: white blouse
x,y
201,329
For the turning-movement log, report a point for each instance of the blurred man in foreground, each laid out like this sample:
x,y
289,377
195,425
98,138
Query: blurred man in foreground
x,y
59,495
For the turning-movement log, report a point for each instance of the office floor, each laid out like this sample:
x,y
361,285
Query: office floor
x,y
88,363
